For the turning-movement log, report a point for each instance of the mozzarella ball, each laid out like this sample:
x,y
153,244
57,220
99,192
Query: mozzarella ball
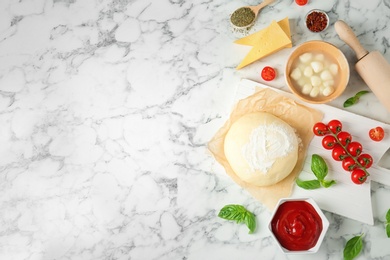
x,y
315,81
327,91
317,66
326,75
307,88
308,71
314,92
296,74
306,57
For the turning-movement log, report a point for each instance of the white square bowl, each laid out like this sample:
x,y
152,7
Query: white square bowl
x,y
325,226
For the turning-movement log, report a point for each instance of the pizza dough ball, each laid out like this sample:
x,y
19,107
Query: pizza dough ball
x,y
261,148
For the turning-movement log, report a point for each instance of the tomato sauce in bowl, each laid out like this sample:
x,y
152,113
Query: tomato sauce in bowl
x,y
298,225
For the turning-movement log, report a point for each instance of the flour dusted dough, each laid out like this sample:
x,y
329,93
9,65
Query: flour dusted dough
x,y
261,148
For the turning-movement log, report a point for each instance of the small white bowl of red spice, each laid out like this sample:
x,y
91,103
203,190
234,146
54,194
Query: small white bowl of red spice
x,y
298,225
316,21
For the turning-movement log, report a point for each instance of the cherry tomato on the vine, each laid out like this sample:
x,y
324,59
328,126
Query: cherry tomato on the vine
x,y
338,153
354,148
301,2
320,129
349,164
335,126
344,138
268,73
358,176
376,134
365,160
328,142
345,150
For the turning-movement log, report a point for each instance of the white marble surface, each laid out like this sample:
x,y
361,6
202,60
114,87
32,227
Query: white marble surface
x,y
106,108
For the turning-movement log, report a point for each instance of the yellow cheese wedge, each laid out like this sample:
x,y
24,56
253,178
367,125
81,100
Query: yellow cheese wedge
x,y
266,42
254,38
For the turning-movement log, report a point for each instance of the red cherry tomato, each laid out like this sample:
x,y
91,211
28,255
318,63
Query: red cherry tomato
x,y
320,129
365,160
354,148
349,164
335,126
268,73
338,153
301,2
376,134
328,142
358,176
344,138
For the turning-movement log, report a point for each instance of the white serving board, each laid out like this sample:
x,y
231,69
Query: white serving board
x,y
345,198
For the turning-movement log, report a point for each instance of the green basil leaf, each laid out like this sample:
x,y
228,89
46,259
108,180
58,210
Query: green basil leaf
x,y
388,230
327,184
353,100
361,93
353,247
239,214
232,212
308,185
319,167
350,101
388,216
250,221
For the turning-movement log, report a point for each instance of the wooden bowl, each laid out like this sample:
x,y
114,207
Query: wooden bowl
x,y
329,51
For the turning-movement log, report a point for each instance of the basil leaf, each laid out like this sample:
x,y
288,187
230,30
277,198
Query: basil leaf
x,y
361,93
353,247
388,216
319,167
350,101
308,185
239,214
232,212
327,184
353,100
250,222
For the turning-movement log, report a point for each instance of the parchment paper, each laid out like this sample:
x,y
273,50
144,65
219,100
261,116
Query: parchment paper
x,y
298,116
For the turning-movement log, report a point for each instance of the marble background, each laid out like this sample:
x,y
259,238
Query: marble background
x,y
106,108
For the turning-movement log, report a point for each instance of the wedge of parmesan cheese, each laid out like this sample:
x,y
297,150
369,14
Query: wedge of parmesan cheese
x,y
255,38
266,42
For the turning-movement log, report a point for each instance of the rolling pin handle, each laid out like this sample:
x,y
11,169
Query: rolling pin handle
x,y
348,36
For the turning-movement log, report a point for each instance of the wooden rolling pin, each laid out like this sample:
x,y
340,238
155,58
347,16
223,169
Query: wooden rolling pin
x,y
371,66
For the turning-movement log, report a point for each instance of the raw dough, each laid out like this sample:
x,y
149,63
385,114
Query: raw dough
x,y
261,148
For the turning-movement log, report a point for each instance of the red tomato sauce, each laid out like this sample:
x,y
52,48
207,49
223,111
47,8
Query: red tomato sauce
x,y
297,225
